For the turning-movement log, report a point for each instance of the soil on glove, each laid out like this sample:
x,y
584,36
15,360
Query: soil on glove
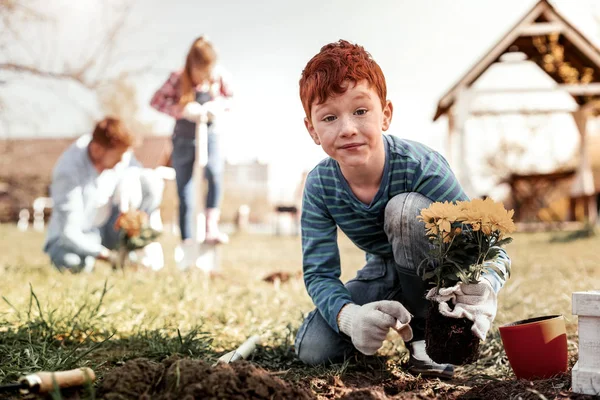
x,y
177,378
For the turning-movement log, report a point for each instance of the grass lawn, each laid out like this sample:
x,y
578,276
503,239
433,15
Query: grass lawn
x,y
53,321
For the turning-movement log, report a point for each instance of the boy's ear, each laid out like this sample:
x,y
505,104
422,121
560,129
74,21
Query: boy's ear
x,y
311,130
388,111
95,150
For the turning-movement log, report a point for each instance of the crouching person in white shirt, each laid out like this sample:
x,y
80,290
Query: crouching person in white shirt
x,y
95,180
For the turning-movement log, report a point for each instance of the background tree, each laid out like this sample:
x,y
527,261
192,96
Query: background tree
x,y
38,46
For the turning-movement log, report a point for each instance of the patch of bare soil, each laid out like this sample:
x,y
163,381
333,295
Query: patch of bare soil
x,y
402,386
194,379
557,388
187,379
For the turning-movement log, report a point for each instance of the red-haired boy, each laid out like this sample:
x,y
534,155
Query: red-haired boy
x,y
372,187
91,182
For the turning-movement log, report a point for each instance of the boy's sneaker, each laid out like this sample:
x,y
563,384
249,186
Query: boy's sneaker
x,y
419,363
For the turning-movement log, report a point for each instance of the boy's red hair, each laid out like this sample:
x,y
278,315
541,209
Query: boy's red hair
x,y
337,62
112,133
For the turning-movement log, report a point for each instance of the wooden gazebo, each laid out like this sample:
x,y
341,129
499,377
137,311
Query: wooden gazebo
x,y
546,38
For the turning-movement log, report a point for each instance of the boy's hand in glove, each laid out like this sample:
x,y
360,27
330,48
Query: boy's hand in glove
x,y
475,301
368,325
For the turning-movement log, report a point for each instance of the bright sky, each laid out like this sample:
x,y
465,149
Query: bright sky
x,y
423,47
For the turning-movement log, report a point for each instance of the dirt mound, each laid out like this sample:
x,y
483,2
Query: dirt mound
x,y
194,379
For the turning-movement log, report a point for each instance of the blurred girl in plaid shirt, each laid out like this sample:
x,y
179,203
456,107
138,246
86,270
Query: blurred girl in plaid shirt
x,y
198,89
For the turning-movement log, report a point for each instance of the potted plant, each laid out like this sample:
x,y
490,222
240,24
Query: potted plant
x,y
134,233
464,236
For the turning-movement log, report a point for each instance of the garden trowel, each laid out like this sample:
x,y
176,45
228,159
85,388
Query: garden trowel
x,y
241,353
45,382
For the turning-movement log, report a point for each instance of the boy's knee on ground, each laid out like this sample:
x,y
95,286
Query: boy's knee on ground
x,y
66,261
70,261
316,343
313,351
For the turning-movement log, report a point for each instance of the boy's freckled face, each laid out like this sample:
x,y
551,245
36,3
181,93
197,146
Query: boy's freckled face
x,y
349,127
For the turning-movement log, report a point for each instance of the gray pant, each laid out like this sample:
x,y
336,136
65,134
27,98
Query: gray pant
x,y
63,256
379,279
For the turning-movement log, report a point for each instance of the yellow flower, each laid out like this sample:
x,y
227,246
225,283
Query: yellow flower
x,y
444,221
438,210
131,222
438,217
502,222
486,229
448,237
431,229
483,214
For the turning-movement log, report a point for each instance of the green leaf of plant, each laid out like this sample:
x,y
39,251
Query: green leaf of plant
x,y
504,241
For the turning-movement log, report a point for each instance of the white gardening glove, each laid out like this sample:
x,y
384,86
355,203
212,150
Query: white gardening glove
x,y
368,325
194,111
128,194
213,109
476,302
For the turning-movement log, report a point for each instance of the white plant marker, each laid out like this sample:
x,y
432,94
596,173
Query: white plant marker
x,y
23,223
586,372
206,254
39,205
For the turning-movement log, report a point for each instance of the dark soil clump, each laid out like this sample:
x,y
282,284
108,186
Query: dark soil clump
x,y
450,340
188,379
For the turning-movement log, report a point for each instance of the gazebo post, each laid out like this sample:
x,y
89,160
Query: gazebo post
x,y
583,185
461,115
451,140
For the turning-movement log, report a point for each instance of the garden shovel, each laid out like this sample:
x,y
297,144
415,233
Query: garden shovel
x,y
206,255
44,382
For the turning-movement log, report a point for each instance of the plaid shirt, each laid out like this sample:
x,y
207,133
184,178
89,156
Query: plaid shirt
x,y
166,99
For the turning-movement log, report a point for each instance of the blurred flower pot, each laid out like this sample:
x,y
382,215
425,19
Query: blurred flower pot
x,y
537,347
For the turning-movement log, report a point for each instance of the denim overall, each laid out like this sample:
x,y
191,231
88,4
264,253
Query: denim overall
x,y
184,155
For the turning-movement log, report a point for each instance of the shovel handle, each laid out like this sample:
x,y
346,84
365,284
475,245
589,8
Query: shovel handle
x,y
43,382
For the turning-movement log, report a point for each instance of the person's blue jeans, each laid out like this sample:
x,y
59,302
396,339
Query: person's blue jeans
x,y
183,158
380,279
64,257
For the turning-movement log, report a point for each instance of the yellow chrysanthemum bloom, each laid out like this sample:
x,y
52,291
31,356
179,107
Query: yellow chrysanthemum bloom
x,y
431,229
439,210
439,217
131,222
486,215
502,222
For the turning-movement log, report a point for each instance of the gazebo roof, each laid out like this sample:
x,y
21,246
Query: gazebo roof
x,y
542,20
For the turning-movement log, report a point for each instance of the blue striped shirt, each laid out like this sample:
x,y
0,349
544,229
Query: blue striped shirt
x,y
328,203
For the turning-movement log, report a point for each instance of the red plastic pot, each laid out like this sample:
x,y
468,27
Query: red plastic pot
x,y
537,347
